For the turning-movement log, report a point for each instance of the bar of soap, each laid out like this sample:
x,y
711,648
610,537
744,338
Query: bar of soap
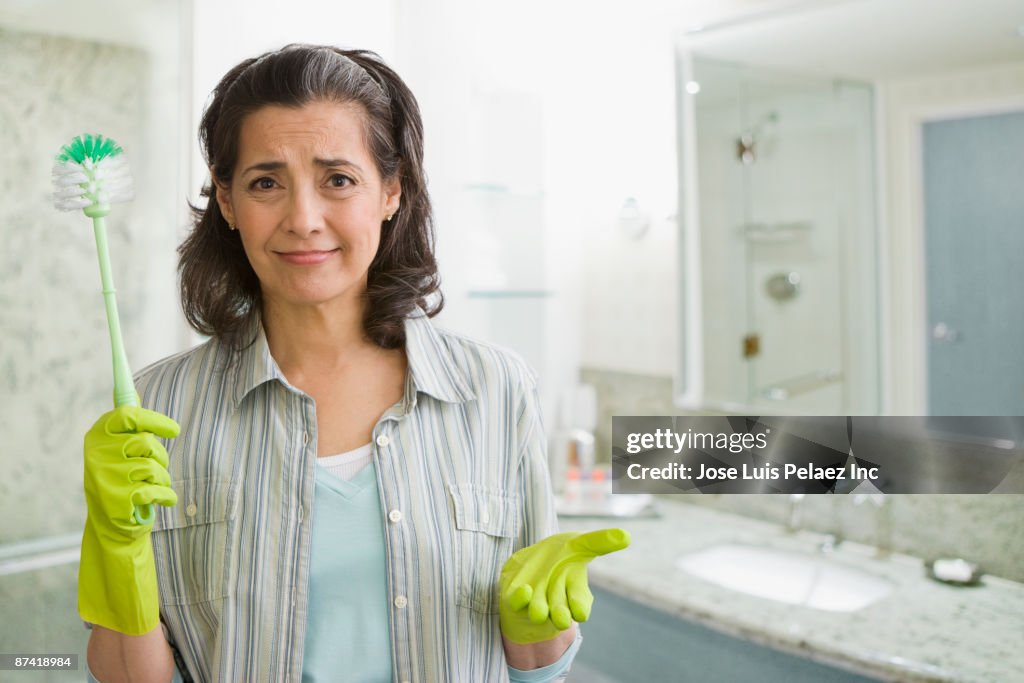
x,y
954,570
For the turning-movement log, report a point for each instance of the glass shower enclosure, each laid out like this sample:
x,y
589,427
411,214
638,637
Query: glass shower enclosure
x,y
778,240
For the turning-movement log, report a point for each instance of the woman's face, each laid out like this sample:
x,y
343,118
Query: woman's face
x,y
308,201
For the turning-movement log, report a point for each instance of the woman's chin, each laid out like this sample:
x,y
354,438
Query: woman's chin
x,y
302,297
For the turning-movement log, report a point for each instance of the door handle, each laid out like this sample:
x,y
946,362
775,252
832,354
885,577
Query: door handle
x,y
944,333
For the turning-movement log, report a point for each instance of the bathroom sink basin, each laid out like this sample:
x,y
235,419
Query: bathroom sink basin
x,y
793,577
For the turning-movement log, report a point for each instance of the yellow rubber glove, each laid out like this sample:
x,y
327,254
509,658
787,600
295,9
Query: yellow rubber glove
x,y
125,467
544,587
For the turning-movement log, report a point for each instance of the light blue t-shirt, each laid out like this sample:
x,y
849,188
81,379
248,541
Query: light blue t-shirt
x,y
348,600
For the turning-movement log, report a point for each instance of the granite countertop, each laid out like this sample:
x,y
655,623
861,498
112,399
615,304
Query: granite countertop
x,y
922,631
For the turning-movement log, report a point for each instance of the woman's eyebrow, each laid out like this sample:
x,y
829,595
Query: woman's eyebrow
x,y
336,162
265,166
326,163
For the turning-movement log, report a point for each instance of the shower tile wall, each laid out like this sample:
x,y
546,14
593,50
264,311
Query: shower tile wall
x,y
985,529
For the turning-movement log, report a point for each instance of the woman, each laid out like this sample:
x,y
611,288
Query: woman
x,y
351,482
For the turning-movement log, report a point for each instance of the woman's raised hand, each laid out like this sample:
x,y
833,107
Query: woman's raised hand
x,y
125,467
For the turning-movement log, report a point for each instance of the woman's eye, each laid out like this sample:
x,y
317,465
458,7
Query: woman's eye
x,y
339,180
263,183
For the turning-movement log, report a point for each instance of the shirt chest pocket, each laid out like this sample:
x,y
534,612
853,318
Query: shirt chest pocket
x,y
486,527
190,542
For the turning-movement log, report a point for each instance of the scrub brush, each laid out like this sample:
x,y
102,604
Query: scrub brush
x,y
91,173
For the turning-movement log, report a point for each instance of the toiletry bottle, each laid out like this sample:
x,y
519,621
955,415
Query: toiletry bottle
x,y
573,493
582,436
581,458
598,489
573,455
561,456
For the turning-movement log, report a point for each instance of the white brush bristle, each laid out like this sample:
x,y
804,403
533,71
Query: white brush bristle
x,y
77,186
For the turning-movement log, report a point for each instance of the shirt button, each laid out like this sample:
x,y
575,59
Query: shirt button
x,y
305,438
191,510
300,513
395,516
401,602
383,440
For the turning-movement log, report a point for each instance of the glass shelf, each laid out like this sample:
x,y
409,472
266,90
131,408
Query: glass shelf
x,y
499,189
509,293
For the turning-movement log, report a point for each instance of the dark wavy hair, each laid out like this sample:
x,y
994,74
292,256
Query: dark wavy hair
x,y
220,293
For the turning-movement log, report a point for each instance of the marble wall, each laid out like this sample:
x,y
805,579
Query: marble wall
x,y
988,529
55,361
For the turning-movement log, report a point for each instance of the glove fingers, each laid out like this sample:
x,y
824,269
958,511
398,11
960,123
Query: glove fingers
x,y
153,493
558,601
601,542
538,609
578,592
128,419
518,596
147,470
146,446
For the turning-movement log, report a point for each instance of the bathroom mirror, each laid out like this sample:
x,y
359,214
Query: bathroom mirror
x,y
851,210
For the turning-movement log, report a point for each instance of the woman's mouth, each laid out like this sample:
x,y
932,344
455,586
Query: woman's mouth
x,y
306,258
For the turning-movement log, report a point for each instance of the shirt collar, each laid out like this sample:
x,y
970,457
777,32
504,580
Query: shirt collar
x,y
432,368
431,364
255,365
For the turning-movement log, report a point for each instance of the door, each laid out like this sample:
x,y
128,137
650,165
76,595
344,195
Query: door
x,y
974,247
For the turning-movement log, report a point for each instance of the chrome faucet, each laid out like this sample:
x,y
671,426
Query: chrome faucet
x,y
794,519
835,537
883,520
830,543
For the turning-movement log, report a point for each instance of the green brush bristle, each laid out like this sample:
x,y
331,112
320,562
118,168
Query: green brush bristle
x,y
93,147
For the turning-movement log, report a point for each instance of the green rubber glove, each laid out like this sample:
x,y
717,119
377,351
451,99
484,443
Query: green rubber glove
x,y
544,587
125,467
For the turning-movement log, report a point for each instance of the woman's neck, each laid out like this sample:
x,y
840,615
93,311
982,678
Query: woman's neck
x,y
308,340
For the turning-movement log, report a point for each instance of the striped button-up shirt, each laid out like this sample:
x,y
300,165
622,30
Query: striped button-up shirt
x,y
463,481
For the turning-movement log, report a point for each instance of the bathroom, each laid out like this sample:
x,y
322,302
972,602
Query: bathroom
x,y
640,200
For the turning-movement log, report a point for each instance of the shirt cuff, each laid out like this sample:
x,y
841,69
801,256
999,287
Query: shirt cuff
x,y
552,671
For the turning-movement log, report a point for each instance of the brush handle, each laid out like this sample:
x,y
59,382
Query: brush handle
x,y
124,386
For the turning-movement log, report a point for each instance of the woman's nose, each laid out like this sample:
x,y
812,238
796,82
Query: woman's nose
x,y
305,214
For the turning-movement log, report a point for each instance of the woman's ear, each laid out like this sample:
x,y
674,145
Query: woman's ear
x,y
392,195
223,195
